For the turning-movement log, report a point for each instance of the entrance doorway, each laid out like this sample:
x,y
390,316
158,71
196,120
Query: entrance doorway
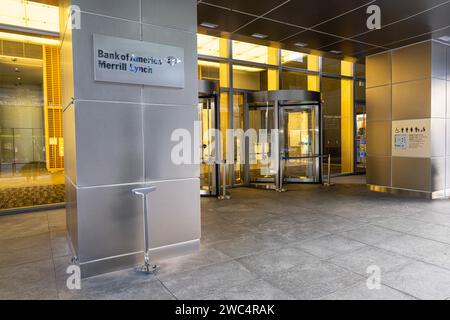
x,y
208,107
288,146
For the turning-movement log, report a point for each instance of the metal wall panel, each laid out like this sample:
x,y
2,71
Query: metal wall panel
x,y
438,137
448,99
170,13
411,100
411,173
379,171
189,94
379,103
159,124
379,140
109,222
174,212
448,173
439,61
85,86
448,137
109,136
378,70
70,160
115,8
111,218
72,213
438,174
412,62
438,98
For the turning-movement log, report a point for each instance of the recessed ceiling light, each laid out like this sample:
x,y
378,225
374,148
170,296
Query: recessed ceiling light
x,y
335,51
445,38
209,25
300,44
259,35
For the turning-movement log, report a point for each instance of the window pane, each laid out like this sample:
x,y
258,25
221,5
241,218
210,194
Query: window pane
x,y
331,94
215,71
254,53
212,46
250,78
360,70
300,60
331,65
294,81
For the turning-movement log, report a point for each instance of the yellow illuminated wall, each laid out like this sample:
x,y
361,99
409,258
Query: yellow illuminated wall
x,y
313,80
54,142
347,119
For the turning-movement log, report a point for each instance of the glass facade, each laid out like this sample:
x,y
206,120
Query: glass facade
x,y
241,67
31,138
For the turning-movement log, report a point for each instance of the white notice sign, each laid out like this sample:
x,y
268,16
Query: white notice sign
x,y
411,138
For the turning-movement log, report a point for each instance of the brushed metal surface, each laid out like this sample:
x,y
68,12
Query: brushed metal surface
x,y
379,103
114,8
411,173
379,141
379,171
448,99
412,62
109,143
378,70
448,137
111,218
439,61
438,175
438,137
188,41
72,213
83,63
70,152
159,124
447,180
438,98
171,13
411,100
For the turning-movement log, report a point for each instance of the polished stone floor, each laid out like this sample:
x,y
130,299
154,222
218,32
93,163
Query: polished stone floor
x,y
308,243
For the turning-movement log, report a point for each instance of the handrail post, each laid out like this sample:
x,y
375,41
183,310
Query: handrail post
x,y
329,184
224,195
145,192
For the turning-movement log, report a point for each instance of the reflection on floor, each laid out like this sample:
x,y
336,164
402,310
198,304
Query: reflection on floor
x,y
307,243
30,185
27,175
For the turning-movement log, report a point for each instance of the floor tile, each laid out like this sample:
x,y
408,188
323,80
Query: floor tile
x,y
249,244
207,280
360,291
329,246
421,280
253,290
314,281
358,261
369,234
273,262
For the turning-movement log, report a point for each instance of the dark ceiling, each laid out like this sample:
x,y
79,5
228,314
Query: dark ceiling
x,y
328,25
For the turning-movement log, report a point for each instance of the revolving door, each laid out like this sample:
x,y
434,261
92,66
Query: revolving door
x,y
286,142
208,113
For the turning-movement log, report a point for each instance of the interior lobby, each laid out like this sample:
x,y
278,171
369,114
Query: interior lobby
x,y
348,168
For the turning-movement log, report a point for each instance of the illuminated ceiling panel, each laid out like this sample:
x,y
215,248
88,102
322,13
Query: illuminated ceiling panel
x,y
30,15
208,45
291,56
27,39
250,52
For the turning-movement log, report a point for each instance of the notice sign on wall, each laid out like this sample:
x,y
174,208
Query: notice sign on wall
x,y
137,62
411,138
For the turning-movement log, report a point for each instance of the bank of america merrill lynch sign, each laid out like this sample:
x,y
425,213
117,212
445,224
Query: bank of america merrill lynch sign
x,y
137,62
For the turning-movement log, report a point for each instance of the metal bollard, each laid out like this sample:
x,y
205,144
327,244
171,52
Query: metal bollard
x,y
144,192
329,184
224,195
